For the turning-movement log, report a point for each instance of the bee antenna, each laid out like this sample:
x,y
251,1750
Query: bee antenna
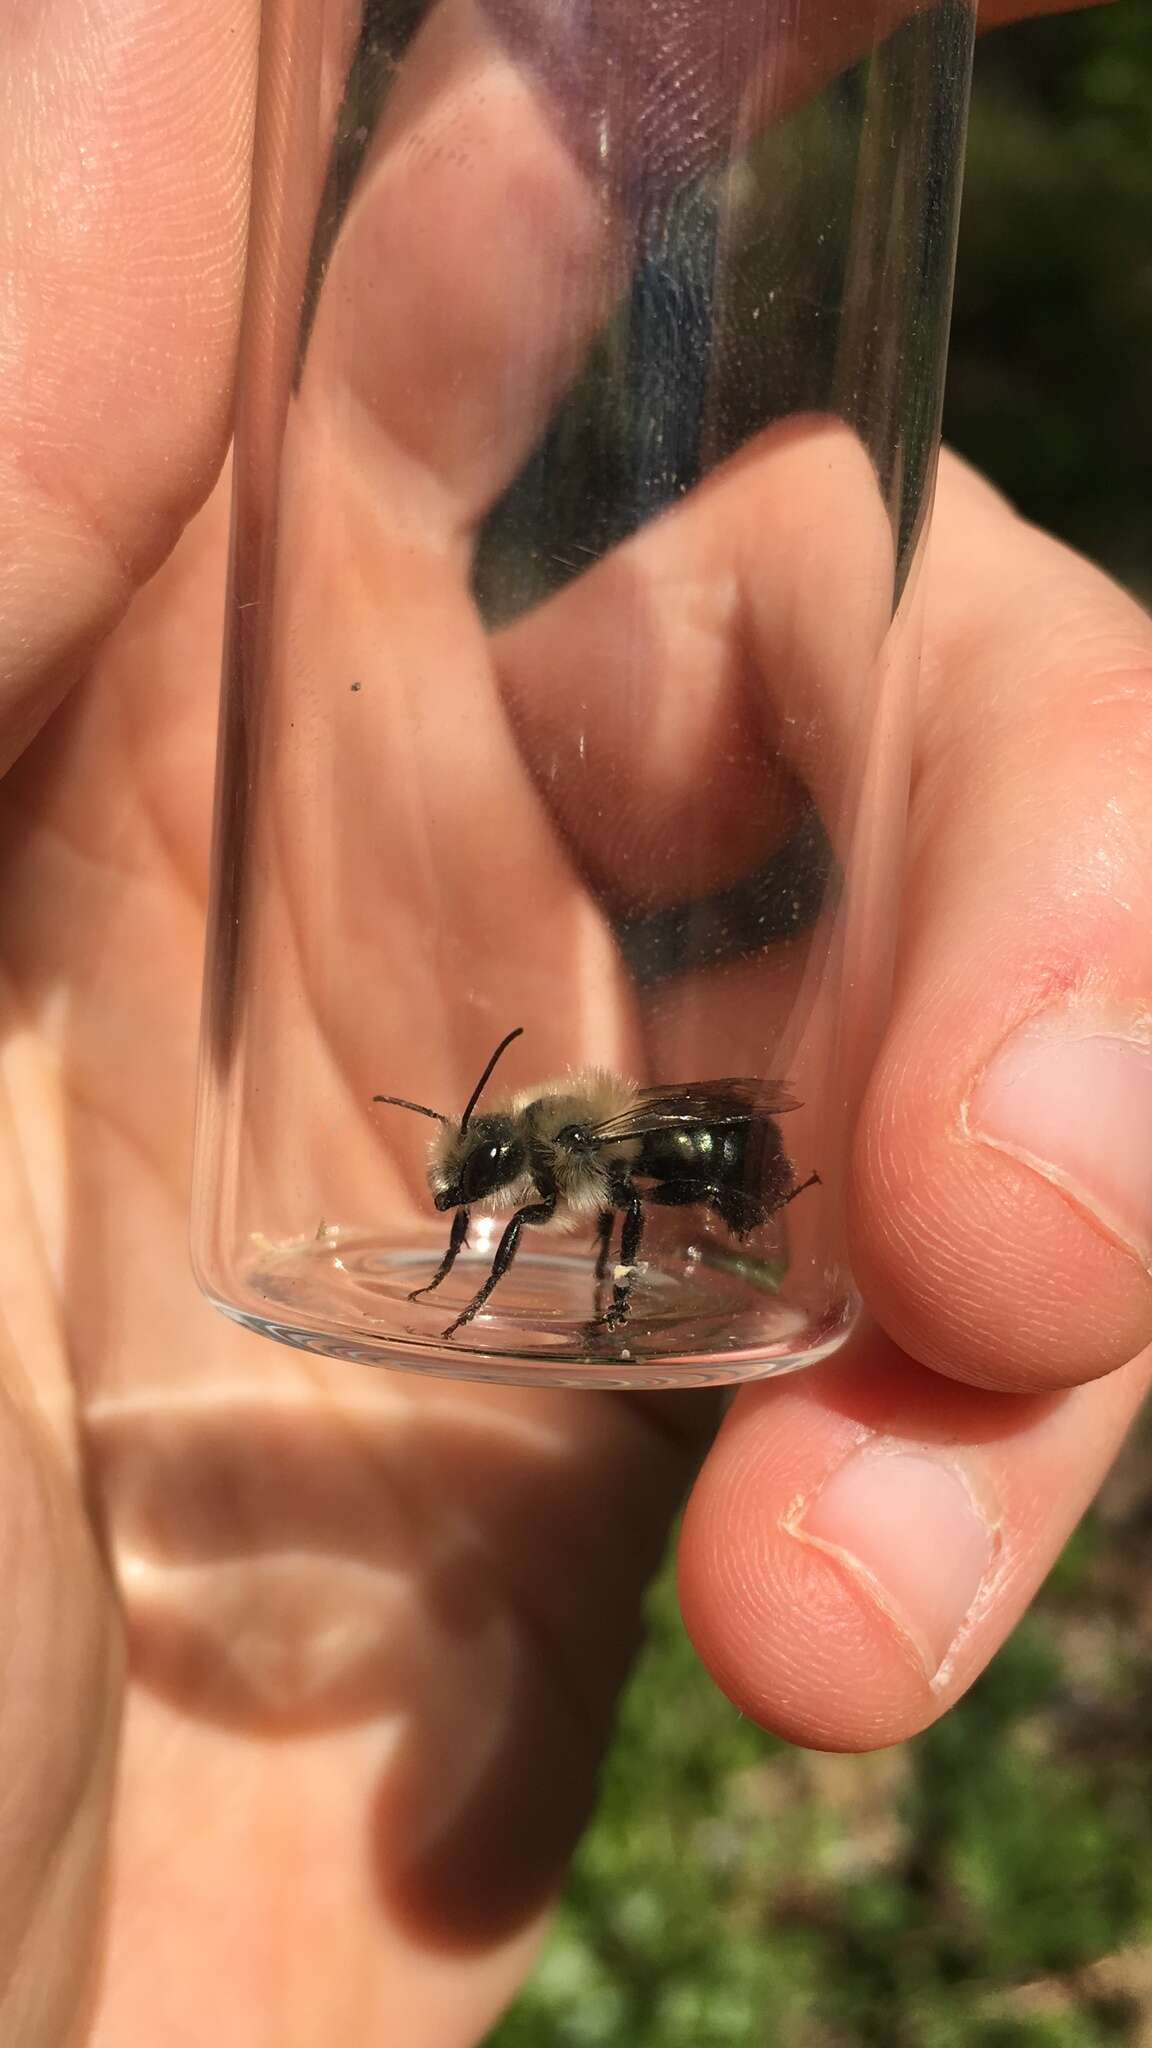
x,y
419,1107
486,1076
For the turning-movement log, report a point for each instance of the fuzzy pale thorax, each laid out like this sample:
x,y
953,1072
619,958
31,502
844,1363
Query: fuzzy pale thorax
x,y
529,1124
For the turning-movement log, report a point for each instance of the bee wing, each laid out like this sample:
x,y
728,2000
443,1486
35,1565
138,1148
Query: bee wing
x,y
732,1101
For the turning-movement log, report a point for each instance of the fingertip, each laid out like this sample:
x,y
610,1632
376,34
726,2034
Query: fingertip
x,y
1002,1258
794,1626
862,1537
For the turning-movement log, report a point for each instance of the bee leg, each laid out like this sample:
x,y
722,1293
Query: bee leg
x,y
536,1212
813,1181
604,1225
740,1213
457,1240
737,1211
681,1194
631,1238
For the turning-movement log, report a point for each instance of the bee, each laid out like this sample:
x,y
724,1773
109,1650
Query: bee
x,y
596,1146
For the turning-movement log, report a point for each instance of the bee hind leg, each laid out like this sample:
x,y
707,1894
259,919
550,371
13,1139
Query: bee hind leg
x,y
604,1227
740,1212
631,1238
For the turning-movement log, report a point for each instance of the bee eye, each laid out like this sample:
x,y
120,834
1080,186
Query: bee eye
x,y
483,1171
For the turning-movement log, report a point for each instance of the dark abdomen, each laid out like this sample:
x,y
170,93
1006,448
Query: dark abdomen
x,y
744,1166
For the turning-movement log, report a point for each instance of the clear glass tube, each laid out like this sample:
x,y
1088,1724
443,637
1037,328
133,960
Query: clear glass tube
x,y
588,411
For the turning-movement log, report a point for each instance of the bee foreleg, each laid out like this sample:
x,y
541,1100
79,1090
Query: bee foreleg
x,y
536,1212
813,1181
458,1238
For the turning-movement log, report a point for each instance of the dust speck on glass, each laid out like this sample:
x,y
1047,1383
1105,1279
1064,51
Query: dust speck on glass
x,y
587,423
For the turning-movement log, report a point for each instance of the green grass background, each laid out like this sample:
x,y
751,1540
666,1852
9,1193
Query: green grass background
x,y
991,1882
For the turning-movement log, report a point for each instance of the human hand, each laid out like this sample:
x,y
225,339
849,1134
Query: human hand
x,y
374,1626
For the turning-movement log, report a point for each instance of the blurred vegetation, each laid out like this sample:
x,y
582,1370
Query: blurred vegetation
x,y
1051,363
990,1884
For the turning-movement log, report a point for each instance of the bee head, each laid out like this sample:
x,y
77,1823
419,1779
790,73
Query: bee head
x,y
475,1162
478,1155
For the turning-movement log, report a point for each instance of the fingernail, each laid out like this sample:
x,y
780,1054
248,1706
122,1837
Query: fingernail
x,y
918,1535
1074,1102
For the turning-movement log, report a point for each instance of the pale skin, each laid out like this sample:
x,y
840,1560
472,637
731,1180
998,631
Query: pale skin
x,y
253,1601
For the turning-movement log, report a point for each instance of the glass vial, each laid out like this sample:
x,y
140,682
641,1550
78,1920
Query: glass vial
x,y
587,420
